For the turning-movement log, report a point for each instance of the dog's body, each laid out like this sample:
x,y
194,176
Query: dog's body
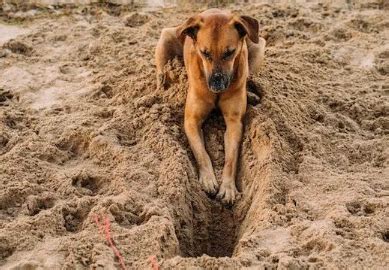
x,y
219,51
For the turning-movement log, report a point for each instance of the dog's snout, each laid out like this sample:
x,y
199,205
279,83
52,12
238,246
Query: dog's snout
x,y
218,82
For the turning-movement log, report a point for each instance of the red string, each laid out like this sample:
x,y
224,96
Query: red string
x,y
154,262
106,230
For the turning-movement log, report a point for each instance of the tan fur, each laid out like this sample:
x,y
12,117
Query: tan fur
x,y
215,31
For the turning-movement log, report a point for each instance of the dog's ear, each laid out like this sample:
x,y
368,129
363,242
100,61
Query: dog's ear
x,y
189,28
247,26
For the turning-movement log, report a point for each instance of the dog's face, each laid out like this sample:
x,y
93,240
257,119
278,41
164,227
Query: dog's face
x,y
218,39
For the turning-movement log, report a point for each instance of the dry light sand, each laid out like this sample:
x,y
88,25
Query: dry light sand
x,y
85,132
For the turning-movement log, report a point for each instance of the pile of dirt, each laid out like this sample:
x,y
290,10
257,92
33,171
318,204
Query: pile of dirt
x,y
85,133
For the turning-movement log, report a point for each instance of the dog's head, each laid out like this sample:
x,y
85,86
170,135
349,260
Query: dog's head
x,y
218,38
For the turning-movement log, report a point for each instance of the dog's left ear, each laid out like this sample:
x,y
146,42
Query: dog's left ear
x,y
249,26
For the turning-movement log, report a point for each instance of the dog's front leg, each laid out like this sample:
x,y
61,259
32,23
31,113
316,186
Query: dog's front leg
x,y
232,137
233,116
195,113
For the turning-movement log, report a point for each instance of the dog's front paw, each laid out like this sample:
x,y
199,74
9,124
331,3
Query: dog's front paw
x,y
228,192
208,181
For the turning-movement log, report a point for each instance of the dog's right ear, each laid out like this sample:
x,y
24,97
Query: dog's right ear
x,y
189,28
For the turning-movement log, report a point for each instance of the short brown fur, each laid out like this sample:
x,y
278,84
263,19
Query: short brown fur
x,y
219,51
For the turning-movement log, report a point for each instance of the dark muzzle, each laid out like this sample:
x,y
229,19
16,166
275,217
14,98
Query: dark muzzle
x,y
218,82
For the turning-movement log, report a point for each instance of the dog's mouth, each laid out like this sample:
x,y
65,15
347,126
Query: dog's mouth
x,y
218,82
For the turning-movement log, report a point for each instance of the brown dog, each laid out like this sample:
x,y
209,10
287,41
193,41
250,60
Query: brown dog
x,y
219,49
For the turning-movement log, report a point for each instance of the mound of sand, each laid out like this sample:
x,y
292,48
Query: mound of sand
x,y
85,133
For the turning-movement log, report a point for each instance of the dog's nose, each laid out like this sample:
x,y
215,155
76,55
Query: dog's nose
x,y
218,82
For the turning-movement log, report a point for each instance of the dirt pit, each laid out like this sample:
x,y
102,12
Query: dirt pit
x,y
84,133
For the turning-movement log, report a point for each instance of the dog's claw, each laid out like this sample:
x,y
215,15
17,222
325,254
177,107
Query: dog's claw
x,y
228,193
162,81
209,183
161,78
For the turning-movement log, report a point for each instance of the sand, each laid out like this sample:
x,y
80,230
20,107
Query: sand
x,y
85,133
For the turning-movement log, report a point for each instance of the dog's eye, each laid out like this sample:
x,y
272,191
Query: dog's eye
x,y
206,54
228,54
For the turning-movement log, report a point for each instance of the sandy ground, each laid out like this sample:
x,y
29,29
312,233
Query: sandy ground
x,y
85,133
